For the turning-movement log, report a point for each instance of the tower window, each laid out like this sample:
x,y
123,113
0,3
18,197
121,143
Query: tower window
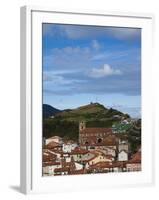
x,y
99,140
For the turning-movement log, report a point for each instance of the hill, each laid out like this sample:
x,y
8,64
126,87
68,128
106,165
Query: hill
x,y
49,111
65,123
93,111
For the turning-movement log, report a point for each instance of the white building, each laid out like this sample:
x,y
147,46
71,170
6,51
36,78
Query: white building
x,y
56,139
135,163
48,169
68,147
78,166
123,145
122,155
110,151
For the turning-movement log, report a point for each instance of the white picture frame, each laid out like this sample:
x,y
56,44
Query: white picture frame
x,y
31,100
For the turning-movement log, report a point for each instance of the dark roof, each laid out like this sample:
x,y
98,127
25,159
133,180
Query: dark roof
x,y
79,151
136,158
80,171
119,164
97,130
101,165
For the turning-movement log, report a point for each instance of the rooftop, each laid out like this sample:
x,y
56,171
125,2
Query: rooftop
x,y
136,158
52,145
97,130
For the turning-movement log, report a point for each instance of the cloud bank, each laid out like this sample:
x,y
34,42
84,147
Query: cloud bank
x,y
106,70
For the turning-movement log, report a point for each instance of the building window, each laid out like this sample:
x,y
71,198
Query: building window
x,y
99,140
86,143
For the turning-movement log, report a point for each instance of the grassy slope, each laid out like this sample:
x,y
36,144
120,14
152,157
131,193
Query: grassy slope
x,y
88,113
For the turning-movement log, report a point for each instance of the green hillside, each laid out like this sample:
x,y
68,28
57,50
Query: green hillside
x,y
93,111
65,124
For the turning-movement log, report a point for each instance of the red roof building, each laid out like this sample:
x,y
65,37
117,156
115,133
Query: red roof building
x,y
135,163
96,136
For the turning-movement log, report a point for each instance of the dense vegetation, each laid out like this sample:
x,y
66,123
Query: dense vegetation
x,y
134,136
63,128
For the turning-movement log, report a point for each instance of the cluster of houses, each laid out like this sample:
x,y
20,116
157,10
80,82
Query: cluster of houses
x,y
98,150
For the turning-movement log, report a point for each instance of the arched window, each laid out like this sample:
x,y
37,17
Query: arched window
x,y
99,140
86,143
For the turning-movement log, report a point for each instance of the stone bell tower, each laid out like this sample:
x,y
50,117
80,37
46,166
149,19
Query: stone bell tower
x,y
82,126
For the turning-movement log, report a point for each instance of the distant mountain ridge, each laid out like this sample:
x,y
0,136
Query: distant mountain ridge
x,y
92,110
49,111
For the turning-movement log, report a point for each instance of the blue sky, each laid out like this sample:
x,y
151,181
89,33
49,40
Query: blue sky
x,y
83,64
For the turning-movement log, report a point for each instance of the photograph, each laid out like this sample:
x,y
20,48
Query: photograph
x,y
91,99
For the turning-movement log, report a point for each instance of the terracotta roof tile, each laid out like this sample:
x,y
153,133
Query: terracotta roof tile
x,y
136,158
81,171
100,165
79,151
97,130
52,145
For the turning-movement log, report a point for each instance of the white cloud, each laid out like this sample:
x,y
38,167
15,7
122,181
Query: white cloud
x,y
95,44
101,56
53,78
106,70
57,79
116,54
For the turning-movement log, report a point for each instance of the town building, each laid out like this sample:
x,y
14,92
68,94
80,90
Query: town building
x,y
69,146
110,151
123,144
48,168
96,136
134,164
123,149
79,154
66,167
54,146
123,155
98,158
56,139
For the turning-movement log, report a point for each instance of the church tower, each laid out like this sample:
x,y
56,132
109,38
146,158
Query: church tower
x,y
82,126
